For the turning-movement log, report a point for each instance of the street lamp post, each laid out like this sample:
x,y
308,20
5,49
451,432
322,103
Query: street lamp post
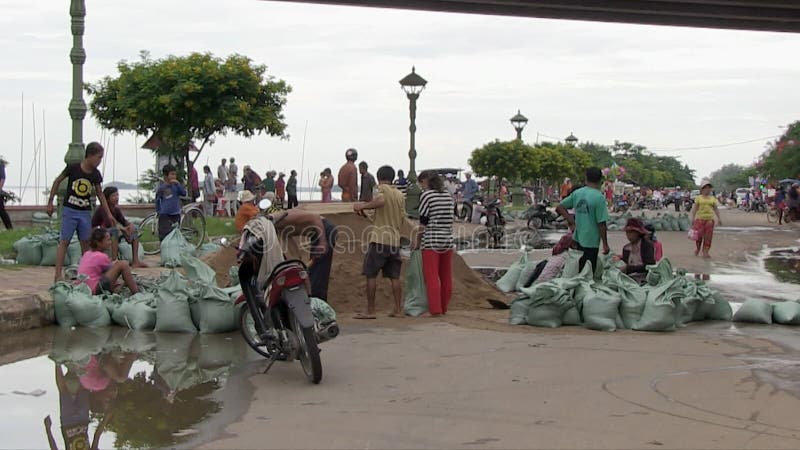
x,y
571,140
518,122
412,84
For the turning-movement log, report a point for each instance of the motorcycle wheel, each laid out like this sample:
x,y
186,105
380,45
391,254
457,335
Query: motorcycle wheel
x,y
248,329
535,223
309,351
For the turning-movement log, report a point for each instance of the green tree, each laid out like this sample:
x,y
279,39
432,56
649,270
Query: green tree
x,y
190,99
565,161
729,177
513,160
782,158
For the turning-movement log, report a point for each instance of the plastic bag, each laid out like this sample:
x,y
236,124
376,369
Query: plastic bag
x,y
693,234
322,311
416,302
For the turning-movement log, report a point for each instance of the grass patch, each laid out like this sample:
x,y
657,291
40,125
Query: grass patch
x,y
8,237
220,226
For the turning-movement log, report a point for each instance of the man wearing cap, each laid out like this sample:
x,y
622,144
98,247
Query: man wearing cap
x,y
591,214
639,252
348,176
247,211
231,185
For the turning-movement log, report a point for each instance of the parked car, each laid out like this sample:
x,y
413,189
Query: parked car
x,y
741,192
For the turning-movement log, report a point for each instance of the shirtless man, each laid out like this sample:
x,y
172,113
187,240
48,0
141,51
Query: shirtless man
x,y
322,233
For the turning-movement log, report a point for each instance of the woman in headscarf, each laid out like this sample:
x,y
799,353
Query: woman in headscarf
x,y
639,252
703,212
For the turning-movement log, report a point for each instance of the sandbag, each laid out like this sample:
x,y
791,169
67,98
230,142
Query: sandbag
x,y
74,253
78,345
87,309
233,276
60,291
544,315
49,252
572,317
786,313
572,266
720,309
633,296
518,312
754,311
322,311
683,223
138,312
600,311
508,282
525,274
126,252
29,251
172,305
416,301
208,248
198,271
173,247
214,312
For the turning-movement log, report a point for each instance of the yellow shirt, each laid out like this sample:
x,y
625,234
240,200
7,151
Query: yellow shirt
x,y
389,219
705,207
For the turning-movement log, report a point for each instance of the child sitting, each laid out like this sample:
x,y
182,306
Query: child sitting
x,y
101,273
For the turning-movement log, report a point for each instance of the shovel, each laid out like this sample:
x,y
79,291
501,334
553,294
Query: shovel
x,y
497,304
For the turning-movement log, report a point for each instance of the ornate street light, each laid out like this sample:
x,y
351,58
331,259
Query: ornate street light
x,y
571,140
519,121
412,84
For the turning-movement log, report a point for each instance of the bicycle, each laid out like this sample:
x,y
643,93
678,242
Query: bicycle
x,y
772,215
192,226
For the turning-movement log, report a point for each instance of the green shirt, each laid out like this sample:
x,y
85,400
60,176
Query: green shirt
x,y
590,210
268,184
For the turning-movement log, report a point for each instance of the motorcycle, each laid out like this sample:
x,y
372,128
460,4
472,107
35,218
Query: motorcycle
x,y
620,205
495,222
539,216
465,210
277,321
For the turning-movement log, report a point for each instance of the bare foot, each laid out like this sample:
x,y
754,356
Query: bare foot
x,y
139,265
397,315
364,316
428,315
697,253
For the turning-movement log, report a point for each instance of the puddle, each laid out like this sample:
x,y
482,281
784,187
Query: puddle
x,y
123,389
770,275
750,229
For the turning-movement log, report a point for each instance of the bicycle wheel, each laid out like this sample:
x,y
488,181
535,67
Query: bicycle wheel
x,y
193,226
148,235
772,215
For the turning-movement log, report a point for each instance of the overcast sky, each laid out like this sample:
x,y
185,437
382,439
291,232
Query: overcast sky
x,y
663,87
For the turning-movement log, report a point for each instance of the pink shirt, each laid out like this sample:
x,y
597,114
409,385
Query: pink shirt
x,y
93,265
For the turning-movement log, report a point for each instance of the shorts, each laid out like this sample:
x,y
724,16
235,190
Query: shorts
x,y
165,225
103,285
73,220
119,236
383,258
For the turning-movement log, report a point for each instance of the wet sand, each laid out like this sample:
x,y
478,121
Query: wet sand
x,y
470,380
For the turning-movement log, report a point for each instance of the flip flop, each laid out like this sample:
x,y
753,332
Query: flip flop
x,y
397,316
497,304
363,316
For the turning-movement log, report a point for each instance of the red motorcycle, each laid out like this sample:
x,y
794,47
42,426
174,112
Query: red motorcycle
x,y
278,322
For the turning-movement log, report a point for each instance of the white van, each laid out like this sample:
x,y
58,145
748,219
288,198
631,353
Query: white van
x,y
740,193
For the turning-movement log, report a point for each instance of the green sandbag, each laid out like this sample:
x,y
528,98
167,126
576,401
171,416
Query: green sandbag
x,y
720,309
137,312
29,251
544,315
786,313
508,282
600,311
754,311
518,312
87,309
322,311
132,341
60,291
687,310
572,265
74,253
208,248
233,276
172,305
49,251
633,296
572,317
525,275
126,252
78,345
173,247
198,271
683,223
416,302
214,312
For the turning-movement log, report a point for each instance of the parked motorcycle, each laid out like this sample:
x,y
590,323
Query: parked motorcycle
x,y
495,222
620,205
540,217
277,321
465,210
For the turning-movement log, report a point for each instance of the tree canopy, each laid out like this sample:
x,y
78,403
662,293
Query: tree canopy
x,y
782,158
190,99
730,176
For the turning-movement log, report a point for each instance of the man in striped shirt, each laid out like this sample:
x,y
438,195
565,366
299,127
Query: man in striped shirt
x,y
436,230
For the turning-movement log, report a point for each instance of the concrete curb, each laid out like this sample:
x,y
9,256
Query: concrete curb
x,y
25,311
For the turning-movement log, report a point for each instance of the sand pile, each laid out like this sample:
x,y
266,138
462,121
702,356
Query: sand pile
x,y
347,285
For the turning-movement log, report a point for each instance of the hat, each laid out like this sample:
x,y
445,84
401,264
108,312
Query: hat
x,y
637,225
246,197
270,196
706,185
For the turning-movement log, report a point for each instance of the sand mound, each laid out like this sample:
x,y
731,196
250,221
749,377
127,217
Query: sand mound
x,y
347,285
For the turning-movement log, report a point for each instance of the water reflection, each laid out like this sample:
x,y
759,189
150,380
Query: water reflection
x,y
784,264
767,275
133,389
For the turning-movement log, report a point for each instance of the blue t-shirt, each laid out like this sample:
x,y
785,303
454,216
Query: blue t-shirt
x,y
470,188
168,199
590,210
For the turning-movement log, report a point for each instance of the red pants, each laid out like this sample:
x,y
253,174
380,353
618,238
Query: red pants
x,y
705,230
437,266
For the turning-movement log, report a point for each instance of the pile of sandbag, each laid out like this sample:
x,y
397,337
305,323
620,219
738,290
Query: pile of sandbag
x,y
42,249
171,303
760,311
173,247
660,222
608,299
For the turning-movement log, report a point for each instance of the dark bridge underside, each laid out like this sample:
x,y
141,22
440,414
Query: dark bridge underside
x,y
760,15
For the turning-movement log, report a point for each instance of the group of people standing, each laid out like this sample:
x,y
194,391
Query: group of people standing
x,y
221,193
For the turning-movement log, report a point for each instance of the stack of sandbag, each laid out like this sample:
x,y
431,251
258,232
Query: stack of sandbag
x,y
416,294
173,247
608,299
761,311
518,275
42,249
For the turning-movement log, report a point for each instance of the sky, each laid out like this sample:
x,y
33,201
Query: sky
x,y
671,89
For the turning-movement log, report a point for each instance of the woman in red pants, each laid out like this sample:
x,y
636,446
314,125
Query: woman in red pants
x,y
436,232
703,212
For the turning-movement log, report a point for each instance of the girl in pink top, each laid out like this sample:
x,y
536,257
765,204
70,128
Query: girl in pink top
x,y
101,273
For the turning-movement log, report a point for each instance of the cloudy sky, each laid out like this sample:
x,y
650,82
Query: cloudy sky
x,y
671,89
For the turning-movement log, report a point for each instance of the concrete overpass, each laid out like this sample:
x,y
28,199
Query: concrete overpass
x,y
756,15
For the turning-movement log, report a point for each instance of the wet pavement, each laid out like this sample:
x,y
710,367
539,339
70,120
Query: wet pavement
x,y
125,389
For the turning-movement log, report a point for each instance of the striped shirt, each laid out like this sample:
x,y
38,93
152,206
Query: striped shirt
x,y
436,214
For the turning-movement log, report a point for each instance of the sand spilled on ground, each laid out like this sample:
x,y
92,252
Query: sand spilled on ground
x,y
347,285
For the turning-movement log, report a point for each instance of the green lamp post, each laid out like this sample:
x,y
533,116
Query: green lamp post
x,y
77,107
518,122
571,140
412,84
